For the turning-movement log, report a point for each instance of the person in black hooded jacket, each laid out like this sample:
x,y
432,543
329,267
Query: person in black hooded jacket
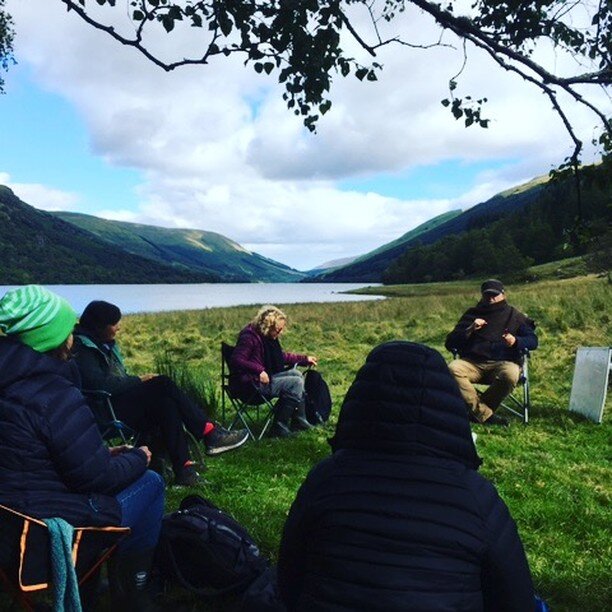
x,y
398,518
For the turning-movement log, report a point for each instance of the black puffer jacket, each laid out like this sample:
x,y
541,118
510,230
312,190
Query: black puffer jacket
x,y
53,462
398,517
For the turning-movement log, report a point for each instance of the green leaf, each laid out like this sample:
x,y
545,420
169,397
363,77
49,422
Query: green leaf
x,y
138,16
258,66
360,73
225,23
325,106
446,102
168,23
268,67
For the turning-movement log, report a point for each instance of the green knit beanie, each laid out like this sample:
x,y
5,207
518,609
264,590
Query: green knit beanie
x,y
39,318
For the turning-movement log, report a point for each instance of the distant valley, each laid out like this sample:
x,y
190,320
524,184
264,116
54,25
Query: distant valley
x,y
514,229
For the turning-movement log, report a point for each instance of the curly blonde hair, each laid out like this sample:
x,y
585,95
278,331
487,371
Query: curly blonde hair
x,y
267,318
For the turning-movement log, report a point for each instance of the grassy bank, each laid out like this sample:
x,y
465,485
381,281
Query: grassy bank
x,y
554,474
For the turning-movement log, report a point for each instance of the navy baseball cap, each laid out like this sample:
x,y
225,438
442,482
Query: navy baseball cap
x,y
492,287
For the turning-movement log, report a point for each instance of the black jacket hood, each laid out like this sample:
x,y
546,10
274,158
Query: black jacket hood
x,y
20,362
405,401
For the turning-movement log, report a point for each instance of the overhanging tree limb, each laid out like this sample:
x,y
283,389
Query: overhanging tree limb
x,y
302,37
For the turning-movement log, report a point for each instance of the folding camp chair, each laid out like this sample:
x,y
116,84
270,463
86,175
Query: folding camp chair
x,y
115,431
253,410
519,401
24,554
112,429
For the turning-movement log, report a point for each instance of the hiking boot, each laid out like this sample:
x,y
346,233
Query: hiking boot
x,y
279,430
220,440
299,423
188,477
495,419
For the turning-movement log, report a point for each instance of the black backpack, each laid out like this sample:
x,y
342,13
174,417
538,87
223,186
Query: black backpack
x,y
318,398
206,551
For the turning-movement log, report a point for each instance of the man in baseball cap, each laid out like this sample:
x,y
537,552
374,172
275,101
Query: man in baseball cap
x,y
489,339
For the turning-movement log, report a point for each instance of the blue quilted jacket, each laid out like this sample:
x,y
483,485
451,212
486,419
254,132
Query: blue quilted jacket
x,y
398,518
53,462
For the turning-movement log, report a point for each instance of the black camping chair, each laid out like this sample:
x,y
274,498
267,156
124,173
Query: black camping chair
x,y
25,568
253,410
113,430
519,401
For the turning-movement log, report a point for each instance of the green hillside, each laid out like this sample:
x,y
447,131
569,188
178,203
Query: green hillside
x,y
558,222
38,247
369,267
197,250
528,224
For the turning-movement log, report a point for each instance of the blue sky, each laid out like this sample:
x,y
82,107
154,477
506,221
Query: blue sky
x,y
44,140
90,126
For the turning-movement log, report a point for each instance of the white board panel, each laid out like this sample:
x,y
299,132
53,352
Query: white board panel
x,y
590,383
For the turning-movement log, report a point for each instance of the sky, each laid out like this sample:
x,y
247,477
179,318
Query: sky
x,y
89,126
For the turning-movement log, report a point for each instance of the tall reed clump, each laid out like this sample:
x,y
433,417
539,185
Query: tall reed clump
x,y
193,380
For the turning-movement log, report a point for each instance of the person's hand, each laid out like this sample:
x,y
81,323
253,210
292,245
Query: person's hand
x,y
264,379
312,361
509,339
117,450
478,324
147,452
145,377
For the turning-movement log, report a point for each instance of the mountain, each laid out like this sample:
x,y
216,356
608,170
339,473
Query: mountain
x,y
38,247
330,265
530,220
369,267
196,250
546,221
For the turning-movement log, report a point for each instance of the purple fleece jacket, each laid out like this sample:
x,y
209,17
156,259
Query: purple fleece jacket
x,y
247,361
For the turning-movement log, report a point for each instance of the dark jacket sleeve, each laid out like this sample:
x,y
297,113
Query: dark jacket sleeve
x,y
80,456
457,339
296,532
506,579
295,359
526,337
247,357
96,372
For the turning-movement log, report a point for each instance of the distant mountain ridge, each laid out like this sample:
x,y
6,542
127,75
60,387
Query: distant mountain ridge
x,y
371,266
197,250
38,247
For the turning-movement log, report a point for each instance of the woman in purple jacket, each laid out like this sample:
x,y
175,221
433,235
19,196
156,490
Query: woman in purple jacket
x,y
259,361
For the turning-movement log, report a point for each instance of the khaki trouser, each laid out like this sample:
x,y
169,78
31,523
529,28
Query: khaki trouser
x,y
501,376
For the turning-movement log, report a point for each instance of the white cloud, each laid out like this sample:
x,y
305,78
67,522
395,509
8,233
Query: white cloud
x,y
219,151
41,196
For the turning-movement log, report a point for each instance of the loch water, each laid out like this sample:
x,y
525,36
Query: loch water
x,y
159,298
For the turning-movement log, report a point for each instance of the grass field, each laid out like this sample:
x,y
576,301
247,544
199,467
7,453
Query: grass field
x,y
554,474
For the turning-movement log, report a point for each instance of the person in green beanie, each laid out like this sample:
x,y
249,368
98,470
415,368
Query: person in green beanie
x,y
39,318
53,461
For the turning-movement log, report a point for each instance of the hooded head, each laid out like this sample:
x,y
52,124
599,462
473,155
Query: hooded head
x,y
405,401
98,315
37,317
